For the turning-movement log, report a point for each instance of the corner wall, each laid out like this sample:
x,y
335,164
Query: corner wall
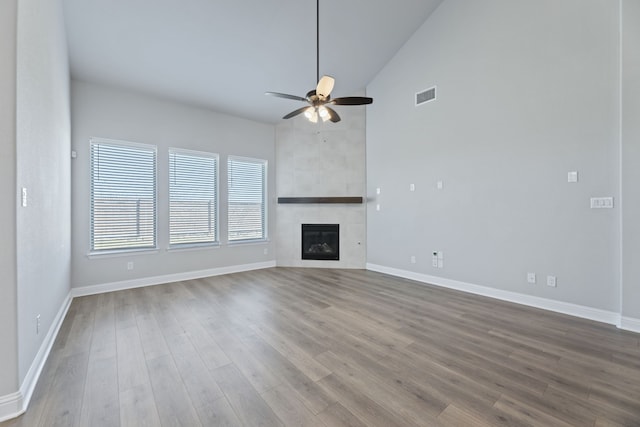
x,y
8,192
527,91
630,162
43,168
35,251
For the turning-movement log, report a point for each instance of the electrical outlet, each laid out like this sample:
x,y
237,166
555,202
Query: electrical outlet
x,y
130,265
412,187
37,324
413,259
551,281
602,203
266,251
531,277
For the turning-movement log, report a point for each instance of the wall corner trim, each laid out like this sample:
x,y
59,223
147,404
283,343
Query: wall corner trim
x,y
15,404
630,324
584,312
11,406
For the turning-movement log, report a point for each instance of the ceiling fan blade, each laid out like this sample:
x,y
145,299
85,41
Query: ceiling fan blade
x,y
325,86
333,116
284,95
352,100
296,112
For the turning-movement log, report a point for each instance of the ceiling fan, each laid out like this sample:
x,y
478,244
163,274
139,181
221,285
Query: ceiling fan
x,y
319,99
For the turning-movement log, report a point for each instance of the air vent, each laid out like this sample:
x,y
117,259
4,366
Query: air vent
x,y
425,96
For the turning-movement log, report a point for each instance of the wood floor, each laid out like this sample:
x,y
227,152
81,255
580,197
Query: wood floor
x,y
309,347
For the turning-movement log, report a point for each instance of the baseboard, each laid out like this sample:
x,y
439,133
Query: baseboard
x,y
11,406
515,297
630,324
16,404
33,374
167,278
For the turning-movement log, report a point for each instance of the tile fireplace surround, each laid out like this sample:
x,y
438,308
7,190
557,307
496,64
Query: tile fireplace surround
x,y
321,161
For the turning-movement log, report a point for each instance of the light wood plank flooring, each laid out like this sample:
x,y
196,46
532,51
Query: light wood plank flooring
x,y
315,347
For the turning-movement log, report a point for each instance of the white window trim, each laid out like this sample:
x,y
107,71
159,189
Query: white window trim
x,y
121,252
193,247
248,242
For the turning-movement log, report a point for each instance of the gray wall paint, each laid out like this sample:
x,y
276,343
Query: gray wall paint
x,y
43,135
631,157
8,192
527,91
99,111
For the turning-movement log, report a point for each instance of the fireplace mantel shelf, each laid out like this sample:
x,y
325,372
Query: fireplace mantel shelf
x,y
311,200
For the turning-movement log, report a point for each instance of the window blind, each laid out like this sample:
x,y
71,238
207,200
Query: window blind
x,y
247,195
123,195
193,199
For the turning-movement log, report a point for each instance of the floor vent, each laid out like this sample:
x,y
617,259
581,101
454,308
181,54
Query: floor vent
x,y
425,96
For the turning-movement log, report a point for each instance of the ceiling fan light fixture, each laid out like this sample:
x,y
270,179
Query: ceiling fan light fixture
x,y
325,86
324,113
312,114
308,112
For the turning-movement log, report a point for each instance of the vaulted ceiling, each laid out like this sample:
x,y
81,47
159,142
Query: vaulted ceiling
x,y
224,54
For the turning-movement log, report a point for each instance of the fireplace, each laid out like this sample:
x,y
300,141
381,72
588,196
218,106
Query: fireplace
x,y
321,241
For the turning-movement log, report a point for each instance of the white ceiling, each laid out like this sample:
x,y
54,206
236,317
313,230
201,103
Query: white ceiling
x,y
224,54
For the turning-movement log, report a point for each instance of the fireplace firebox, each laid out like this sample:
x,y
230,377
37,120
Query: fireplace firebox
x,y
321,241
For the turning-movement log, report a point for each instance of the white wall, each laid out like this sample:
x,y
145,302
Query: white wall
x,y
43,168
527,91
35,251
99,111
316,160
631,158
8,192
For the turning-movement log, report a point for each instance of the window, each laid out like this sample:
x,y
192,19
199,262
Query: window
x,y
193,198
123,195
247,195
